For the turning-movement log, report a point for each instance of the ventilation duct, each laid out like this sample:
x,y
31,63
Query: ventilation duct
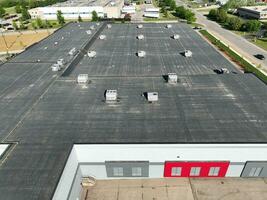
x,y
111,95
152,96
102,37
109,26
188,53
141,54
72,51
140,37
140,26
168,26
55,67
172,78
82,78
91,54
176,36
89,32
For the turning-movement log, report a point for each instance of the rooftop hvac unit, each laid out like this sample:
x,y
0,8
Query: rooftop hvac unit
x,y
55,67
92,27
188,53
172,78
97,23
60,62
168,26
55,43
102,37
111,95
140,37
152,96
140,26
89,32
141,54
72,51
91,54
109,25
82,78
176,36
224,71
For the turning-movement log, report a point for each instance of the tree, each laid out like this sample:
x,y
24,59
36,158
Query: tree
x,y
25,14
213,14
234,23
47,24
2,11
190,16
14,24
60,18
172,5
252,25
39,23
33,25
18,8
80,19
94,16
22,25
221,16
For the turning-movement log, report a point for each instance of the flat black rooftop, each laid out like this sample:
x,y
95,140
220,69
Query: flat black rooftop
x,y
46,113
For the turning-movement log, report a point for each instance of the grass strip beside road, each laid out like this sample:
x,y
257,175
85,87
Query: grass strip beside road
x,y
248,67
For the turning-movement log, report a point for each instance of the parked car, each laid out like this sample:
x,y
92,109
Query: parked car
x,y
260,56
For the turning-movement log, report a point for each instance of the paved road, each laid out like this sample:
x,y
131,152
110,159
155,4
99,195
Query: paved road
x,y
238,43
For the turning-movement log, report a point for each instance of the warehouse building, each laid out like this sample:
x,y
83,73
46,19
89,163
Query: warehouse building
x,y
126,106
104,10
255,12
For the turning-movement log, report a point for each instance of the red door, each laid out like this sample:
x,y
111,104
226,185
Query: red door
x,y
195,169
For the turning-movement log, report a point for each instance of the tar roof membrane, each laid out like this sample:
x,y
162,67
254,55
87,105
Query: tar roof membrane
x,y
45,113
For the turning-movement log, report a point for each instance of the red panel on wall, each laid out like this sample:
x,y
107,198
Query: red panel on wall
x,y
205,167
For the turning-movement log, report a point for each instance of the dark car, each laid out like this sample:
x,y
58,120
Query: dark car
x,y
260,56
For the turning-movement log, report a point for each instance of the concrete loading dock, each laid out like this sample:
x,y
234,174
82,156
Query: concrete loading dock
x,y
51,112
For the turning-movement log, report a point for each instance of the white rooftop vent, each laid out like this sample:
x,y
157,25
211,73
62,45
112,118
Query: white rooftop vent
x,y
72,51
172,78
188,53
55,43
60,62
225,71
168,26
152,96
176,36
140,37
109,25
97,23
89,32
82,78
91,54
102,37
55,68
92,27
141,54
111,95
140,26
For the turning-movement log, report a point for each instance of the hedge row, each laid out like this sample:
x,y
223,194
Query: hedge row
x,y
249,68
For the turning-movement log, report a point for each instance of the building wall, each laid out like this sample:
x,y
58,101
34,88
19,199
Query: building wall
x,y
233,160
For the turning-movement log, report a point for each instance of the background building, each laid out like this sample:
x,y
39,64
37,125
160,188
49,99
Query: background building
x,y
256,12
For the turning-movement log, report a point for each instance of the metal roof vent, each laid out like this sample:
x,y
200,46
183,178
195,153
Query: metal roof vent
x,y
109,25
91,54
72,51
92,27
188,53
140,26
152,96
60,62
168,26
55,67
82,78
89,32
111,95
102,37
140,37
141,54
172,78
176,36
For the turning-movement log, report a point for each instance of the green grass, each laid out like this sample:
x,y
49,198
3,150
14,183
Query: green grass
x,y
10,10
237,58
262,43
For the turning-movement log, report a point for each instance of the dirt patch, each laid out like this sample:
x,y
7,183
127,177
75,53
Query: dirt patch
x,y
20,40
